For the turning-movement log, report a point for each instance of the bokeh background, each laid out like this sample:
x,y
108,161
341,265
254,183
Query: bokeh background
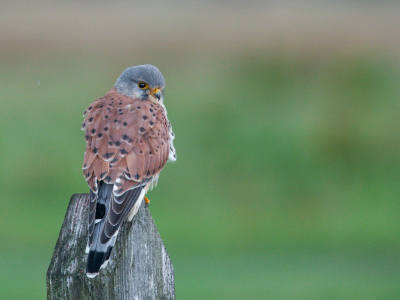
x,y
288,134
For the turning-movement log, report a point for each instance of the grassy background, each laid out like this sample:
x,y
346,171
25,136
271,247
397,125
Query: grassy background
x,y
286,184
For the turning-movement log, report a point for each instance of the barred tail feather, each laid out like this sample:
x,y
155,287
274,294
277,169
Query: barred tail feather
x,y
98,259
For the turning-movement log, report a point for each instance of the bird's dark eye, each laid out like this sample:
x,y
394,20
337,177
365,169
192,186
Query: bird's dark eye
x,y
143,85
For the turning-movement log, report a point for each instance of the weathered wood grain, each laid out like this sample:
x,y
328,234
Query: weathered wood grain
x,y
139,266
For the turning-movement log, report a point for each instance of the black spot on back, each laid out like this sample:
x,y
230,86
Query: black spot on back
x,y
108,155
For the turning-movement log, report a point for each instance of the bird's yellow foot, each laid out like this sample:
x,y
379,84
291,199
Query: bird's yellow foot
x,y
147,201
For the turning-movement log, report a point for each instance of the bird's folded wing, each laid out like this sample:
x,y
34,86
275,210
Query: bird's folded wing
x,y
127,141
119,209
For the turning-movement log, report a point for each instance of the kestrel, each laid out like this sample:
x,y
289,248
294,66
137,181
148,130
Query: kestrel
x,y
128,141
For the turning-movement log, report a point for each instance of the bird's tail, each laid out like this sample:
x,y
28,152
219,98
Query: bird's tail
x,y
98,253
107,212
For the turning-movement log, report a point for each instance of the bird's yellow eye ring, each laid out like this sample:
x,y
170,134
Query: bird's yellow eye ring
x,y
143,85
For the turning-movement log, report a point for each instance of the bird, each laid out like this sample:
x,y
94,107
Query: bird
x,y
129,139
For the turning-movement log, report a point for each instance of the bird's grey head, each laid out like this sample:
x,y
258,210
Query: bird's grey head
x,y
141,82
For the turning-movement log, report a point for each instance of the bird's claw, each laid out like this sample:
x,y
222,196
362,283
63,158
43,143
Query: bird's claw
x,y
147,202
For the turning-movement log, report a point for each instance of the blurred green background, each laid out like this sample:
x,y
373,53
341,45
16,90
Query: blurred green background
x,y
287,124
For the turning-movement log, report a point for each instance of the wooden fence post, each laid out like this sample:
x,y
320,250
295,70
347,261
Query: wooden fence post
x,y
139,266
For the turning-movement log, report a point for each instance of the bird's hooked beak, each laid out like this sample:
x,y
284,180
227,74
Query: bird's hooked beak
x,y
156,93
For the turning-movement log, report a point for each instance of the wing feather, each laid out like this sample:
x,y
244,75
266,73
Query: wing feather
x,y
88,158
119,210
